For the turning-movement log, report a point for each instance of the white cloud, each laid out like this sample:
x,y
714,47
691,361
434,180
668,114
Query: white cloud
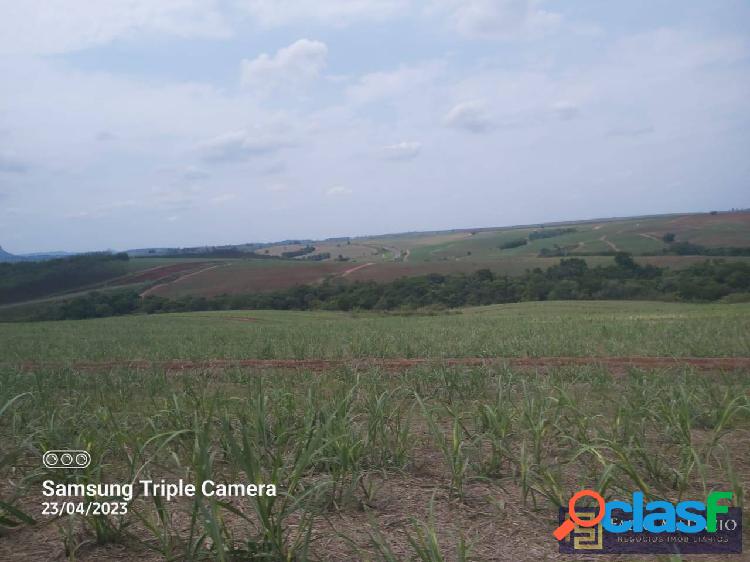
x,y
223,198
301,61
676,50
59,26
630,131
472,116
565,110
271,13
395,83
193,173
104,210
105,136
9,163
240,145
498,19
338,191
401,151
688,88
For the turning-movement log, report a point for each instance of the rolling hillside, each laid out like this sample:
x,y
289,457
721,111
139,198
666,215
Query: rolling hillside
x,y
674,241
403,255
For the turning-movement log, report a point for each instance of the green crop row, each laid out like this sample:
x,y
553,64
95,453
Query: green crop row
x,y
514,330
333,442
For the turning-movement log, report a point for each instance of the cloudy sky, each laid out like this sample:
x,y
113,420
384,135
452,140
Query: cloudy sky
x,y
131,123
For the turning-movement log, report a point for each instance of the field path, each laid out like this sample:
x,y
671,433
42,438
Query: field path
x,y
609,243
147,292
357,268
651,236
616,364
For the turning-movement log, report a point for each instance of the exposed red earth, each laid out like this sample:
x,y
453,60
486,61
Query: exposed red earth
x,y
238,279
159,272
357,268
180,278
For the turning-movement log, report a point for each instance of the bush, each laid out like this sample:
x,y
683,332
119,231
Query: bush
x,y
569,279
513,243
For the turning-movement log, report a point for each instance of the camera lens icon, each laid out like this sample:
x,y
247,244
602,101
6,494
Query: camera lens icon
x,y
66,459
50,460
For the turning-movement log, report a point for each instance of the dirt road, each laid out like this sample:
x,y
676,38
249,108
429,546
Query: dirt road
x,y
353,269
147,292
609,243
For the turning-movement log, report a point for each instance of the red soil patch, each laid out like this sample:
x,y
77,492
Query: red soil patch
x,y
398,364
160,272
353,269
706,219
384,272
180,278
239,278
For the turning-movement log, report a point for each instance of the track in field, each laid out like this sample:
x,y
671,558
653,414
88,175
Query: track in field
x,y
397,364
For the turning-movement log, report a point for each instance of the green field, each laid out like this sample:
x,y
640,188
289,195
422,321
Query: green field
x,y
636,236
394,256
515,330
427,463
419,434
385,258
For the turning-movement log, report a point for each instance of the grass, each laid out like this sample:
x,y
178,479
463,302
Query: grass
x,y
515,330
326,440
431,463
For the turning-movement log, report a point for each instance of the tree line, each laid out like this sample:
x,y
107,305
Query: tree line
x,y
571,279
27,280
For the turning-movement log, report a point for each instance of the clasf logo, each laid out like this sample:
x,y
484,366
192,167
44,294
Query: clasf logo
x,y
652,517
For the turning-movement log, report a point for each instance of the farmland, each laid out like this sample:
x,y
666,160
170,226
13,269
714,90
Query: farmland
x,y
397,422
516,330
433,461
374,281
404,255
390,257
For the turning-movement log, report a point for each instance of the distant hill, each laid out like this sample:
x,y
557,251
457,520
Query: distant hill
x,y
31,279
674,240
38,256
8,257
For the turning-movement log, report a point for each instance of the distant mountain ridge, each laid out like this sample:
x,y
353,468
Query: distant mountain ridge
x,y
7,256
38,256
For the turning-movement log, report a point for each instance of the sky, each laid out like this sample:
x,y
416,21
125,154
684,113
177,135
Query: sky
x,y
150,123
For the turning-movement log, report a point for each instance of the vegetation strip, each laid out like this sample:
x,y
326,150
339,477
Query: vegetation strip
x,y
397,364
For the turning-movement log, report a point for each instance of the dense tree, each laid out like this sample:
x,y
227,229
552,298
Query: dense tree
x,y
569,279
21,281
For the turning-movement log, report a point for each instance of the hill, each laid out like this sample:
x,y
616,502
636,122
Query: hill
x,y
8,257
676,241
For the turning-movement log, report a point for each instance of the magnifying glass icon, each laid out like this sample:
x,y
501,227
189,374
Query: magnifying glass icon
x,y
563,530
